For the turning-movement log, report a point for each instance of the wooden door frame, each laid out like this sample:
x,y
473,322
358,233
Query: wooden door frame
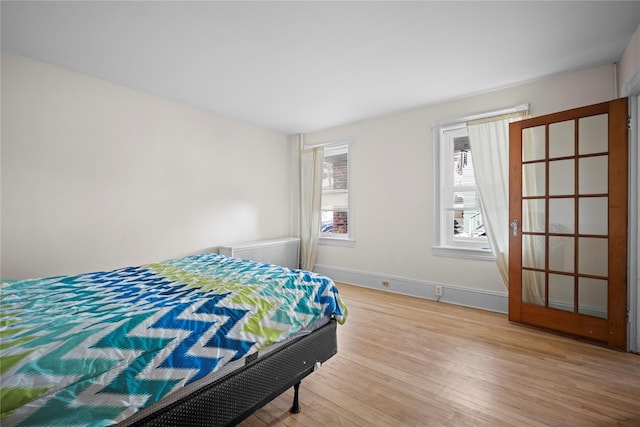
x,y
613,330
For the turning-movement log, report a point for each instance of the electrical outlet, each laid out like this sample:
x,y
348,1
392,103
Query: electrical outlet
x,y
438,291
385,283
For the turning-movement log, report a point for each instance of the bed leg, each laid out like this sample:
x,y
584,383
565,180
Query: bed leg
x,y
295,408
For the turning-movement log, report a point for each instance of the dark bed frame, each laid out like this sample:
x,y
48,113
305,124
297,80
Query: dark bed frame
x,y
232,398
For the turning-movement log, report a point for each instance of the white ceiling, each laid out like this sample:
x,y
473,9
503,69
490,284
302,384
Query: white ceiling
x,y
303,66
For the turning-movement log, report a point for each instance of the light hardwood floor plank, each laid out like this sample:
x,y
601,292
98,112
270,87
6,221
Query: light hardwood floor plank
x,y
405,361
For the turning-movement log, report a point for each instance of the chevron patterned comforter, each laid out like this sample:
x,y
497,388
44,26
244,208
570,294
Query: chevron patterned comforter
x,y
95,348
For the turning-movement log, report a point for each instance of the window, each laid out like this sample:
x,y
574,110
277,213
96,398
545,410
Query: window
x,y
336,216
459,228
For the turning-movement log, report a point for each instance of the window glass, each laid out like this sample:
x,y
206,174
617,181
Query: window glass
x,y
458,210
467,220
335,193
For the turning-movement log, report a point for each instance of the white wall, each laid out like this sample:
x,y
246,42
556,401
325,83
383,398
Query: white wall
x,y
97,176
392,188
629,64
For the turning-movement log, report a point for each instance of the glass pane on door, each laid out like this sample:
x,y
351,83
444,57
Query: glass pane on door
x,y
533,215
562,254
561,292
593,175
562,139
593,134
533,289
533,142
561,177
533,179
593,215
533,250
561,215
592,298
593,256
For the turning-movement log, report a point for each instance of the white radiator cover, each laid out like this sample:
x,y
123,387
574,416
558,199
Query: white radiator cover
x,y
284,251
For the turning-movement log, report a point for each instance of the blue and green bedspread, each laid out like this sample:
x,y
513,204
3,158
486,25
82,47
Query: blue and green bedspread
x,y
95,348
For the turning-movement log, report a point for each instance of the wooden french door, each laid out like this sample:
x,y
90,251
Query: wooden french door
x,y
568,213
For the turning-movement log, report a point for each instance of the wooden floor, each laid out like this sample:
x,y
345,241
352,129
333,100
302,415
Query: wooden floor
x,y
405,361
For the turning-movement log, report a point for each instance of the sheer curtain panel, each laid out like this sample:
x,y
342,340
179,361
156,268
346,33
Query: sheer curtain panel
x,y
489,141
311,171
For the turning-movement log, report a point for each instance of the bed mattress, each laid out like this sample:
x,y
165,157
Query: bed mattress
x,y
94,349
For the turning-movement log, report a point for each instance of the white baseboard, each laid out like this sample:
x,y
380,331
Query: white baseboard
x,y
452,294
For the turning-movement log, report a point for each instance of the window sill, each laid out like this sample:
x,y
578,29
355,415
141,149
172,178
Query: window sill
x,y
464,253
337,241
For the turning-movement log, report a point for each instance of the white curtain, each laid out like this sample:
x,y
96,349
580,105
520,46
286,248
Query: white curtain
x,y
489,142
311,173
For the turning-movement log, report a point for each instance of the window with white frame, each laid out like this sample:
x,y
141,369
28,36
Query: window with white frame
x,y
336,215
459,229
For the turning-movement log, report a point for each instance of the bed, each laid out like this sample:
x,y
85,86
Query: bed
x,y
200,340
